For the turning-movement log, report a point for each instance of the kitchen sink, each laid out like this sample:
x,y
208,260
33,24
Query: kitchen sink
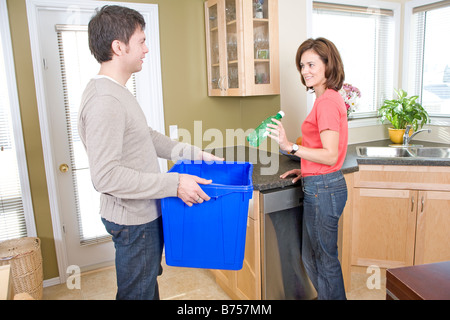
x,y
433,152
404,152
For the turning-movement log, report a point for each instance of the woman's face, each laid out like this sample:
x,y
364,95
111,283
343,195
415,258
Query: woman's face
x,y
313,71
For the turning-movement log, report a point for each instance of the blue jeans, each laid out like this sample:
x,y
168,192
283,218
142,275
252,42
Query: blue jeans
x,y
324,200
138,259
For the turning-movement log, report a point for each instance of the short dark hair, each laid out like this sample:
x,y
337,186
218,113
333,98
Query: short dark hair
x,y
112,23
329,54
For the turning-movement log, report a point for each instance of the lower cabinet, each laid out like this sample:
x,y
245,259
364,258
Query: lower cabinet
x,y
396,226
245,284
395,216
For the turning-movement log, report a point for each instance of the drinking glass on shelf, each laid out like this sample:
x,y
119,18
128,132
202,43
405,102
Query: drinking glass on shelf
x,y
258,9
230,12
215,53
259,38
232,48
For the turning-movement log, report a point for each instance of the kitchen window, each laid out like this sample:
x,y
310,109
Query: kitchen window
x,y
16,214
429,55
365,38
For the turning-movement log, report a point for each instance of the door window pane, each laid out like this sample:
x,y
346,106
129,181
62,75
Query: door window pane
x,y
78,66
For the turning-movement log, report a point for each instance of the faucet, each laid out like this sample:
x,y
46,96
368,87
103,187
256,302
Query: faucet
x,y
407,138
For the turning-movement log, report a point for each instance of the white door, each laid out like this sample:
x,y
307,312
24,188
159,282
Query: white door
x,y
64,65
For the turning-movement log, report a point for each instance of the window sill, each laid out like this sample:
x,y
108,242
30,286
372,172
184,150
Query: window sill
x,y
440,121
373,121
363,122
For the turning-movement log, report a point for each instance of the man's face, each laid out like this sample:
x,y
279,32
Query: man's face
x,y
136,51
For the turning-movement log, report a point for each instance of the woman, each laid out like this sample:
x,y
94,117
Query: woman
x,y
322,153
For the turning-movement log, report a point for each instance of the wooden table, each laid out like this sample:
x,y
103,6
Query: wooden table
x,y
421,282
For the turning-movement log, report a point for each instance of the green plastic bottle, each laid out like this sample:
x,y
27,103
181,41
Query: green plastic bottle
x,y
257,136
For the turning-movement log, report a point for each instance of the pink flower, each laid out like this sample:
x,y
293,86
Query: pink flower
x,y
350,94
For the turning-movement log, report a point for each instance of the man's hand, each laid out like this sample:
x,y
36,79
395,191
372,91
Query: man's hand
x,y
189,191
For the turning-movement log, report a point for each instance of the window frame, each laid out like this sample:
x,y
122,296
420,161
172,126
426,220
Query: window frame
x,y
408,15
372,119
16,120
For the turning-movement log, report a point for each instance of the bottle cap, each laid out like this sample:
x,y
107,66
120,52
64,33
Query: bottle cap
x,y
281,113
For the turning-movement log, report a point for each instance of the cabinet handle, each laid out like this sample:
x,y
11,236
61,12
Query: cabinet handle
x,y
423,200
412,203
218,83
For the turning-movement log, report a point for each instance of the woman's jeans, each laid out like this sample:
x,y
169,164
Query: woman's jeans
x,y
324,200
138,259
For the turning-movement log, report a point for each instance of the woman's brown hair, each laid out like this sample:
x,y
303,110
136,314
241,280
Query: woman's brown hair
x,y
328,53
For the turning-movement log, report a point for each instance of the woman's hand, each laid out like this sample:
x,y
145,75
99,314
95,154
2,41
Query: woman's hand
x,y
278,134
296,172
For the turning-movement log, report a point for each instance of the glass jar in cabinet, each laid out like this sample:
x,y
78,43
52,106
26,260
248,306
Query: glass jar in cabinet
x,y
242,47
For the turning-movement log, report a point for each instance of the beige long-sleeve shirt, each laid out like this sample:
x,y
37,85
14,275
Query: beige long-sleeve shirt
x,y
123,154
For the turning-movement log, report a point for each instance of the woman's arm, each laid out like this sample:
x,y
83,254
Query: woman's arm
x,y
327,155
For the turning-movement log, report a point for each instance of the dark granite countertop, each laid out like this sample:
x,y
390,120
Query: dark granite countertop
x,y
267,167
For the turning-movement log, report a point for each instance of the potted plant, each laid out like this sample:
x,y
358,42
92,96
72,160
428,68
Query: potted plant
x,y
401,112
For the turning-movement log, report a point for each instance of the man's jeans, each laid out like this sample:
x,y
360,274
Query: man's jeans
x,y
138,259
324,200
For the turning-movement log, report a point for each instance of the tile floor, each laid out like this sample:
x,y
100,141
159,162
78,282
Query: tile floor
x,y
181,284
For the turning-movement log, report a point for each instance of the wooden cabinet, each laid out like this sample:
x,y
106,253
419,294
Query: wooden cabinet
x,y
242,47
245,284
384,223
433,227
400,216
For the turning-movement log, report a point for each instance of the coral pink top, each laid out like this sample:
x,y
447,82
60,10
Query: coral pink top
x,y
328,113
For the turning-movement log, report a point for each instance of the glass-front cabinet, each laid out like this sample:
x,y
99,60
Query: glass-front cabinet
x,y
242,47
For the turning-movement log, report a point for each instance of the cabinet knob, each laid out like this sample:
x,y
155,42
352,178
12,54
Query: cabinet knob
x,y
64,168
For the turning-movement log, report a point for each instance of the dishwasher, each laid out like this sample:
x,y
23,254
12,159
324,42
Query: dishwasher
x,y
283,274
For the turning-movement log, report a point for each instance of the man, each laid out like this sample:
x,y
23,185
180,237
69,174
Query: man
x,y
123,154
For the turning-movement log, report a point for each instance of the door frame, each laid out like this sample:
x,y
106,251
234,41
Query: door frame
x,y
152,79
16,120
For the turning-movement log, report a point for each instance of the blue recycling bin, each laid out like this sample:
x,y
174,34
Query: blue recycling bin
x,y
212,234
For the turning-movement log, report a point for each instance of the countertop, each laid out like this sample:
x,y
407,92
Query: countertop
x,y
267,167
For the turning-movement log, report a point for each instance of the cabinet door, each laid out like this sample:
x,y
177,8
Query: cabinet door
x,y
234,60
261,41
248,279
224,47
214,17
433,227
384,227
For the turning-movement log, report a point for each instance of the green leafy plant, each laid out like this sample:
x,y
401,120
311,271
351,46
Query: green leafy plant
x,y
403,111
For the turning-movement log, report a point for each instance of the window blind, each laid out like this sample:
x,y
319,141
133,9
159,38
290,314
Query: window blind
x,y
429,57
352,9
365,38
12,217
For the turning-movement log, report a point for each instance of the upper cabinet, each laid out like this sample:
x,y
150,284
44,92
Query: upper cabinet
x,y
242,47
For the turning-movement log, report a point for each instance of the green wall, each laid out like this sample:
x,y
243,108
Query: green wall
x,y
183,58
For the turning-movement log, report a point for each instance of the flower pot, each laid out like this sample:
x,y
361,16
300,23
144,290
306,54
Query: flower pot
x,y
396,135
